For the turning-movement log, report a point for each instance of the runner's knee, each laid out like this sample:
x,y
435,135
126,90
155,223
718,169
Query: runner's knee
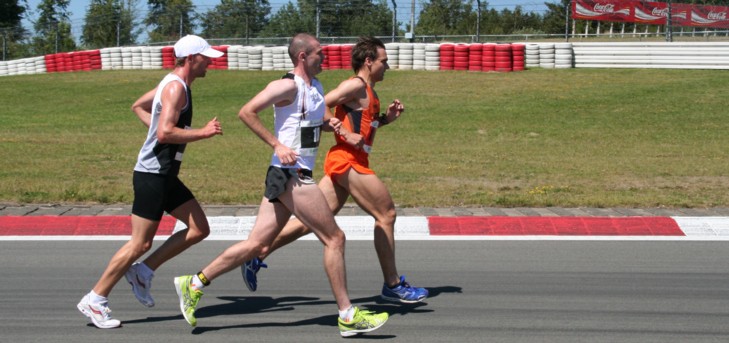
x,y
336,239
387,218
197,233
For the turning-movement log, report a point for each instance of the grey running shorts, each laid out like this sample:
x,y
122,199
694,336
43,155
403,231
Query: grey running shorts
x,y
276,179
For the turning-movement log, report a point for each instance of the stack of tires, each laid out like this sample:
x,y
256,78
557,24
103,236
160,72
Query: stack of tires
x,y
405,58
242,57
168,57
563,56
279,58
475,55
393,52
546,55
116,58
488,57
532,55
517,57
333,56
136,57
503,58
419,56
222,61
460,57
447,56
346,52
267,59
432,57
51,65
255,58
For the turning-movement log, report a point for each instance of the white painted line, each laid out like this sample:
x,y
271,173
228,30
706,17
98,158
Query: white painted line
x,y
704,226
407,228
355,227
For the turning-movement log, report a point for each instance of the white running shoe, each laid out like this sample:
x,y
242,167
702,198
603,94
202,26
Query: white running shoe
x,y
141,285
100,314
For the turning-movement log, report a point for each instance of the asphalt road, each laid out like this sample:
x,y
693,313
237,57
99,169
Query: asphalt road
x,y
481,291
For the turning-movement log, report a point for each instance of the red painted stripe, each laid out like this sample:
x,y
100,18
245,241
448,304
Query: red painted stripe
x,y
554,226
75,225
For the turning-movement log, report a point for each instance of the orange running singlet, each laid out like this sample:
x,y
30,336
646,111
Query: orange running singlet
x,y
343,156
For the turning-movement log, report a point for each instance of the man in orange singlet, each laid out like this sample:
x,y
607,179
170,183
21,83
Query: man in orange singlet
x,y
347,169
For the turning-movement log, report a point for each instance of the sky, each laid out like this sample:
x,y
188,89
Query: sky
x,y
404,9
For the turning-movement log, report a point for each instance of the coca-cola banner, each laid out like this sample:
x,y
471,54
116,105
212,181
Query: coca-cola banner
x,y
709,16
653,13
681,14
603,10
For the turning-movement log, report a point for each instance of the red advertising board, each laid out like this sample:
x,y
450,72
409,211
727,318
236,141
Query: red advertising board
x,y
652,13
710,16
604,10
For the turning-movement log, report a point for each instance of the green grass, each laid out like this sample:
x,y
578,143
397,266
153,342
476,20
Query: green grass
x,y
576,137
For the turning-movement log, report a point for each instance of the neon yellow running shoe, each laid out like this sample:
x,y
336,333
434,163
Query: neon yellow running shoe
x,y
188,298
363,321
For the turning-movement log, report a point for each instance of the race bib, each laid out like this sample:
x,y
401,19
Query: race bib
x,y
309,133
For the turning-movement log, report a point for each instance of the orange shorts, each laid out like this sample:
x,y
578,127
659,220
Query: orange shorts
x,y
339,160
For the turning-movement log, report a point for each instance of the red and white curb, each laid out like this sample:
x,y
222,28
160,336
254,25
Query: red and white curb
x,y
406,228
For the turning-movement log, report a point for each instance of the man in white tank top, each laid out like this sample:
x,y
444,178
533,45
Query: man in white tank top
x,y
167,112
300,112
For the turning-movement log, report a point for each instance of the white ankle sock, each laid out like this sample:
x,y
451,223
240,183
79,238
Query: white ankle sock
x,y
97,299
348,314
196,283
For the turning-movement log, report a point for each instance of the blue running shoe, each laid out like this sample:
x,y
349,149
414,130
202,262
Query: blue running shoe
x,y
249,271
404,293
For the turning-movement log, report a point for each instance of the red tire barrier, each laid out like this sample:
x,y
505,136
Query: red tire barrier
x,y
503,58
446,56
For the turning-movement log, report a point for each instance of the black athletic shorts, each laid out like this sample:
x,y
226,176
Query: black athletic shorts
x,y
276,179
154,194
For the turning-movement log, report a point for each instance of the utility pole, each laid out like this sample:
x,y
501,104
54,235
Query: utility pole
x,y
57,34
394,20
567,21
669,24
478,21
412,21
318,14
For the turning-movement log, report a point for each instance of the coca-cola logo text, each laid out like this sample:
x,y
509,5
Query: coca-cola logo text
x,y
660,12
717,15
606,8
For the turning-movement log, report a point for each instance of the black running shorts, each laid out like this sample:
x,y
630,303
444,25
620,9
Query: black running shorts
x,y
155,194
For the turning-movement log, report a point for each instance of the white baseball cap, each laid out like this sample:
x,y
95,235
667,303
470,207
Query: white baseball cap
x,y
191,45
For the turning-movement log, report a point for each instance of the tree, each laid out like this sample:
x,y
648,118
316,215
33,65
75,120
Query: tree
x,y
554,18
447,17
355,18
336,18
11,15
53,28
236,18
289,20
11,29
109,23
171,19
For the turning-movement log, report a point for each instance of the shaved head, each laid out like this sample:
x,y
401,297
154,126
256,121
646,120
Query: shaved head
x,y
302,42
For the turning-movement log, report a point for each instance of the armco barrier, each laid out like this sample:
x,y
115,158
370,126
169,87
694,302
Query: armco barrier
x,y
404,56
676,55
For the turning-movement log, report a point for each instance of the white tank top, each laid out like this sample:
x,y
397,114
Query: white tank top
x,y
158,158
298,125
